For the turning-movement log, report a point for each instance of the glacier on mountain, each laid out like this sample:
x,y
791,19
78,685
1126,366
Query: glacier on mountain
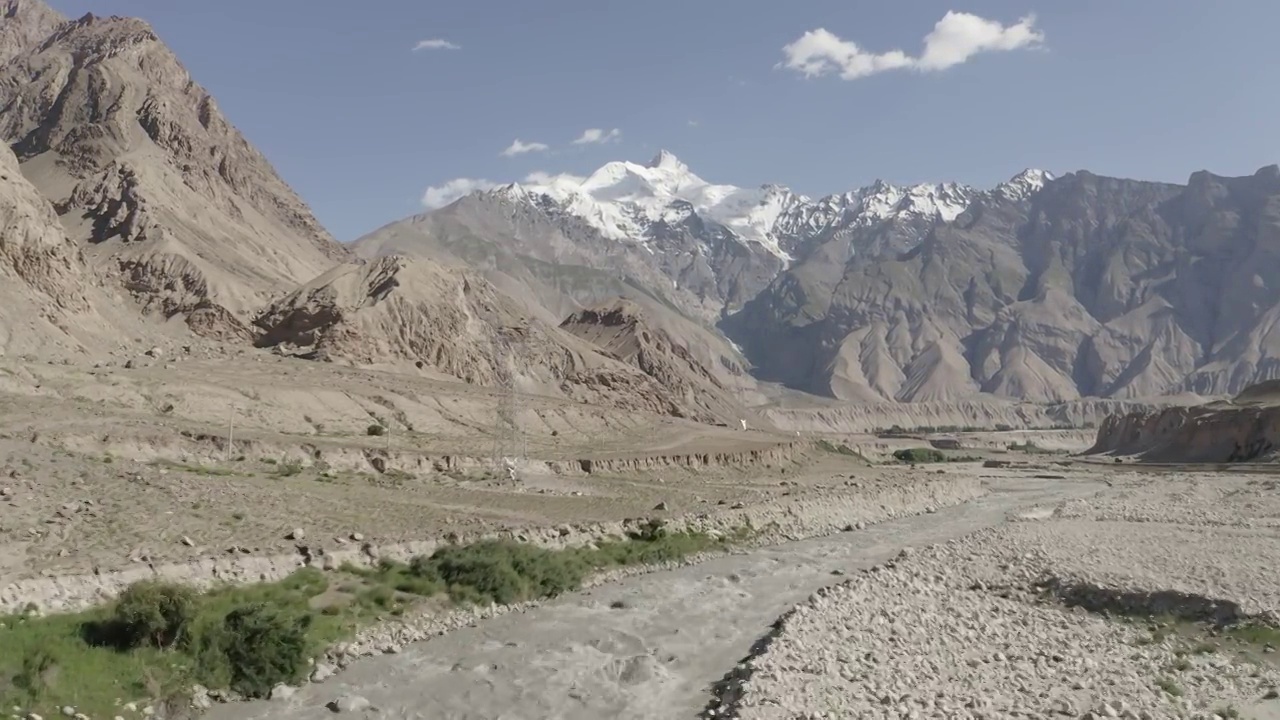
x,y
625,200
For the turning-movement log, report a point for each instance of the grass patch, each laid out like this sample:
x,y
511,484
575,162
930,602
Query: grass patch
x,y
919,455
1254,634
840,449
1170,686
157,639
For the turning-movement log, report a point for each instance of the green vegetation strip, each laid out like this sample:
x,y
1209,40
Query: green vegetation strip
x,y
920,455
158,640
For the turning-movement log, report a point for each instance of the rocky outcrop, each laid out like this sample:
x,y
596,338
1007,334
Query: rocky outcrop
x,y
1244,429
164,194
698,369
50,301
422,316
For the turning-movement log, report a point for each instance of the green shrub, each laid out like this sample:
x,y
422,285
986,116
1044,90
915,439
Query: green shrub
x,y
375,430
152,613
920,455
502,571
263,647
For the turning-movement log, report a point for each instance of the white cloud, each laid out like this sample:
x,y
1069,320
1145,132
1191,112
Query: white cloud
x,y
957,37
437,196
693,123
597,136
539,177
519,147
436,44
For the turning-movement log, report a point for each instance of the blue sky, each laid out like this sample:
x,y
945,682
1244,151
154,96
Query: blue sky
x,y
361,125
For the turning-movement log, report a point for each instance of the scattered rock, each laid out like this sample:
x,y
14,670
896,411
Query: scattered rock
x,y
349,703
296,534
282,692
321,672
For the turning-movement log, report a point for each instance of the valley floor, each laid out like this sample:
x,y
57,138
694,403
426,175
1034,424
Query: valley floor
x,y
202,469
1142,596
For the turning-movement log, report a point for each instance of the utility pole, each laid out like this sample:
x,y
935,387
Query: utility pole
x,y
231,433
508,442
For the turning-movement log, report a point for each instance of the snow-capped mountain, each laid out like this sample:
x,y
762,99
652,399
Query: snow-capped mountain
x,y
914,293
625,201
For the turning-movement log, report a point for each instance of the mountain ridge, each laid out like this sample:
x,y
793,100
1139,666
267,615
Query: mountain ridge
x,y
1041,288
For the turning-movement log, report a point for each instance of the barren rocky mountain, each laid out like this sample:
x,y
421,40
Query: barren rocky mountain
x,y
1090,287
162,192
419,315
25,24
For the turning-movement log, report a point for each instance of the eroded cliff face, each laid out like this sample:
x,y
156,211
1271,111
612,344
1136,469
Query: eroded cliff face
x,y
1244,429
51,303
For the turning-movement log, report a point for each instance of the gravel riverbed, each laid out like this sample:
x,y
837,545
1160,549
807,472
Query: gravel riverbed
x,y
959,630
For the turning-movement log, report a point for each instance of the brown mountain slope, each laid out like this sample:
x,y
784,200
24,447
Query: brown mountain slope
x,y
50,302
408,314
623,329
149,175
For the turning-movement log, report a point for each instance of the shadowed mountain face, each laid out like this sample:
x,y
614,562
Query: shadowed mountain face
x,y
145,172
1092,286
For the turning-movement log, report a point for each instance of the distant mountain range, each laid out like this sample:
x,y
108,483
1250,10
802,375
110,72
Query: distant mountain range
x,y
1042,288
130,203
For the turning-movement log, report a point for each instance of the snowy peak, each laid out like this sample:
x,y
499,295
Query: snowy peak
x,y
666,160
625,200
1024,184
882,200
630,202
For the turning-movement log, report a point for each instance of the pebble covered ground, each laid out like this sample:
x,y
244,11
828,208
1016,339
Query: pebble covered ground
x,y
962,630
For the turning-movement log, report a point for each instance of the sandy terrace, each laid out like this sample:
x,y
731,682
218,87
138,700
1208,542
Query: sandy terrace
x,y
65,512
